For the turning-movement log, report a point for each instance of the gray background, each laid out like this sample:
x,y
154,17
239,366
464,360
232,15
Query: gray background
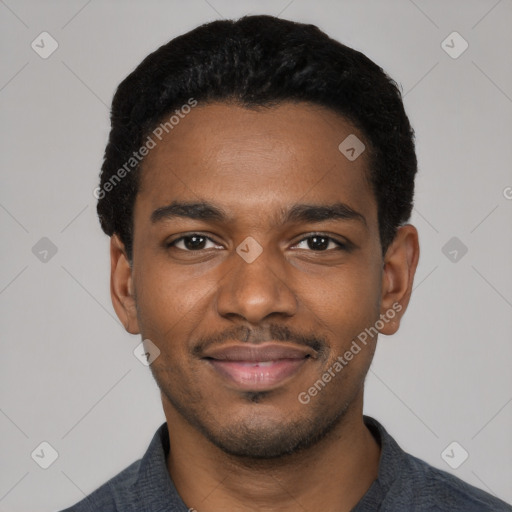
x,y
68,373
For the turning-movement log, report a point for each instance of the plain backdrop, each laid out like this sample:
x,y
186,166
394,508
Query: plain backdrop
x,y
68,373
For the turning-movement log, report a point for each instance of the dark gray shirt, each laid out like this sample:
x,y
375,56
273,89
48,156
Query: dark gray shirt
x,y
404,483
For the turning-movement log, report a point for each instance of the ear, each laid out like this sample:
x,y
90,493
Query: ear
x,y
121,286
400,264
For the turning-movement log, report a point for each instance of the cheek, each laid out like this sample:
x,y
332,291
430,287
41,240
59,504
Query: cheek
x,y
168,303
346,301
344,307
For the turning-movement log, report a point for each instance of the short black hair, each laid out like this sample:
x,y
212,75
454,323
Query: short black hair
x,y
259,61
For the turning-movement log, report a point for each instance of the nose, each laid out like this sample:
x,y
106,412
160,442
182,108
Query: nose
x,y
257,290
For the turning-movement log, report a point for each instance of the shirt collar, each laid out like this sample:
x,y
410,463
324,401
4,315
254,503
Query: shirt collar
x,y
154,482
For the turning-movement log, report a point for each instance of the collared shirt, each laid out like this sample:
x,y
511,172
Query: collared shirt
x,y
404,483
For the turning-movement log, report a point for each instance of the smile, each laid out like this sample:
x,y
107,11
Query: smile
x,y
258,367
258,376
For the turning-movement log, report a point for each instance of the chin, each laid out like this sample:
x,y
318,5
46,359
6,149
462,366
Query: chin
x,y
259,438
258,427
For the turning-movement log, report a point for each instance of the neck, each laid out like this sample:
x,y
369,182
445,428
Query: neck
x,y
334,474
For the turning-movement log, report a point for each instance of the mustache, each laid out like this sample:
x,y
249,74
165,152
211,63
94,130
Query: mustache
x,y
274,332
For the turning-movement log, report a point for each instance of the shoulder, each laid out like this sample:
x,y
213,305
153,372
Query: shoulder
x,y
110,493
432,489
143,485
408,483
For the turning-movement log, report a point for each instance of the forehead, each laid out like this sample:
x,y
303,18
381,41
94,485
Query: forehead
x,y
245,159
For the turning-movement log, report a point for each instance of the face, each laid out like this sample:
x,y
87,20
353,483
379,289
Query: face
x,y
256,263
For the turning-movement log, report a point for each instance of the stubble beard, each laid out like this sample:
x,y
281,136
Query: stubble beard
x,y
253,439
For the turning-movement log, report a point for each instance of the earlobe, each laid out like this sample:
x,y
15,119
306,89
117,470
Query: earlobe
x,y
121,286
400,263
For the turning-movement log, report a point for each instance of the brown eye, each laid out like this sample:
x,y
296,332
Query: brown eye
x,y
194,242
320,243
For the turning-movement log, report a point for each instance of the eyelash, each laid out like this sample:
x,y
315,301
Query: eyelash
x,y
340,245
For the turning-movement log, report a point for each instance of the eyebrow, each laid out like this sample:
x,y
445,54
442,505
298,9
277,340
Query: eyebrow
x,y
320,213
298,213
198,211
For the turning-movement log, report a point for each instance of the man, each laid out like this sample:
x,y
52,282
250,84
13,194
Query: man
x,y
256,187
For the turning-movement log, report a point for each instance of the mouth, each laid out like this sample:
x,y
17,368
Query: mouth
x,y
260,367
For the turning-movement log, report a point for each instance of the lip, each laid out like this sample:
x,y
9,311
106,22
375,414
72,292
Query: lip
x,y
258,367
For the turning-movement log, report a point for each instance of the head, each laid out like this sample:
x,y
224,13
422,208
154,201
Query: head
x,y
256,185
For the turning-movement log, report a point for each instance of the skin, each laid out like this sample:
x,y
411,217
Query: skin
x,y
262,451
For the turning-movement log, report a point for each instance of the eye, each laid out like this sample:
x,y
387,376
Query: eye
x,y
319,243
194,242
